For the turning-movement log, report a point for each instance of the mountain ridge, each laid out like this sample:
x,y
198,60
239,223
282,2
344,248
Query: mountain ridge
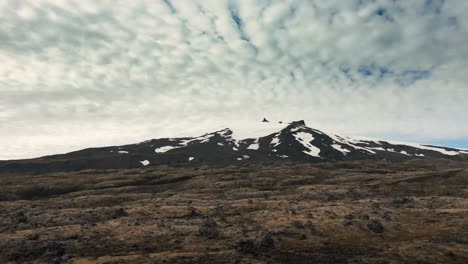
x,y
295,142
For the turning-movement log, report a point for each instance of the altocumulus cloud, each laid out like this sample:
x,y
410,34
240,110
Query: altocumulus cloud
x,y
88,73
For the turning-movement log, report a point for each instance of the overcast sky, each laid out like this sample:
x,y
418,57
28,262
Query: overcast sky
x,y
76,74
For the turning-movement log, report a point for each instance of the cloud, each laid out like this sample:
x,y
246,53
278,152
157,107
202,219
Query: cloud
x,y
86,73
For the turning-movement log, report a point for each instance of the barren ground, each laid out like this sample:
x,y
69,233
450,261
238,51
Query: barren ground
x,y
349,212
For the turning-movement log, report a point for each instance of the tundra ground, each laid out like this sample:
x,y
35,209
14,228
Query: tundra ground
x,y
347,212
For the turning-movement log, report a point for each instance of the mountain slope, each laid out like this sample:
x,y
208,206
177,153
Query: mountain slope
x,y
295,142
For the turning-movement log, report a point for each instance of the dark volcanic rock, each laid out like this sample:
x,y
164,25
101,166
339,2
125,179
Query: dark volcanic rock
x,y
266,243
49,252
349,217
398,202
119,213
262,246
34,236
20,217
209,229
387,216
375,226
298,224
246,247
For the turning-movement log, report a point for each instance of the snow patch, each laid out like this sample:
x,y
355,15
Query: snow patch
x,y
165,149
379,148
123,151
145,162
317,131
362,140
340,149
305,139
244,157
419,146
182,143
254,146
204,139
365,149
296,129
275,141
191,158
349,141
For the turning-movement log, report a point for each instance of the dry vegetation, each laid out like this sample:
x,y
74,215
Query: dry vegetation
x,y
353,212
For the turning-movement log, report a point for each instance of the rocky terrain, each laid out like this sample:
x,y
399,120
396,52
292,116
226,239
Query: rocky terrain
x,y
412,211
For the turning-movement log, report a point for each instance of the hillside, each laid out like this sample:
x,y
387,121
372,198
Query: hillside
x,y
289,142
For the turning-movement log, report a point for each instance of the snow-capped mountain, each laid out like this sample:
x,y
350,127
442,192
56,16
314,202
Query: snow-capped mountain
x,y
295,141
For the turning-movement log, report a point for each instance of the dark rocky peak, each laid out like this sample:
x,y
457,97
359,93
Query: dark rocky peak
x,y
296,124
265,120
226,133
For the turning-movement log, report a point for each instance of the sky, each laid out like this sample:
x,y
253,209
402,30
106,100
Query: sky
x,y
76,74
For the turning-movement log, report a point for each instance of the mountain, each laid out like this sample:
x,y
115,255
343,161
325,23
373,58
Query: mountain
x,y
295,142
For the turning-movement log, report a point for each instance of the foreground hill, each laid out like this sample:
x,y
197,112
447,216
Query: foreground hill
x,y
294,142
285,212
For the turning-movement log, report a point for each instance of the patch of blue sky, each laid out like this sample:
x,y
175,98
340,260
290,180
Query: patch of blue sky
x,y
454,143
408,77
375,72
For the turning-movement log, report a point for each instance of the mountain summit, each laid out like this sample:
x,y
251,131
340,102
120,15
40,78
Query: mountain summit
x,y
295,142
